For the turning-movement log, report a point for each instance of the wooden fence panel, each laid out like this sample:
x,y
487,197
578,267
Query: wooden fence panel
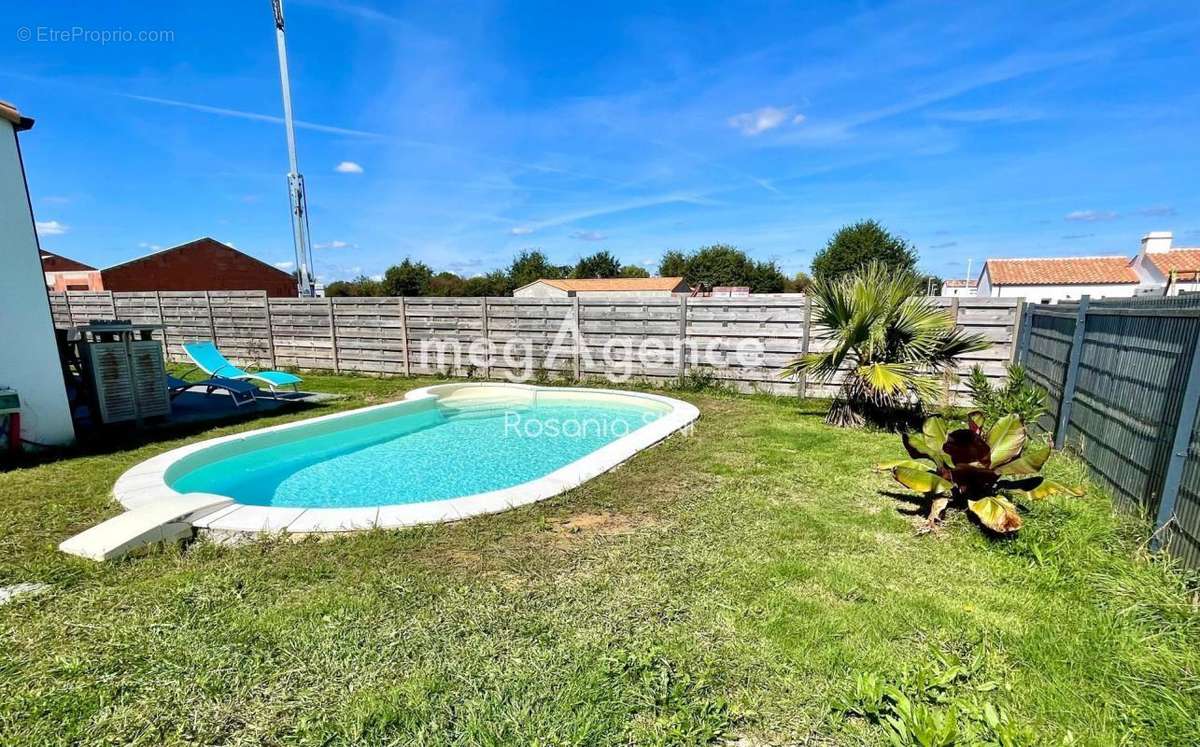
x,y
747,341
744,341
370,335
88,306
242,326
60,311
140,308
523,333
301,331
186,319
440,334
617,328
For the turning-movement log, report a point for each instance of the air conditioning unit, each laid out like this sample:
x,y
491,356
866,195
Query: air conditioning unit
x,y
125,370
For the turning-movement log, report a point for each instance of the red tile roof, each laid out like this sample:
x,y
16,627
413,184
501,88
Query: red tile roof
x,y
1176,260
1062,271
616,284
959,283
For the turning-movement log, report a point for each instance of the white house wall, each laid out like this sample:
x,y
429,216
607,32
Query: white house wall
x,y
540,290
1056,293
28,354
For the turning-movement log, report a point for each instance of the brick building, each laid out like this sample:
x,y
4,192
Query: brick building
x,y
63,273
203,264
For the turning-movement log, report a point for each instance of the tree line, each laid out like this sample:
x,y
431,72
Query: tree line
x,y
851,247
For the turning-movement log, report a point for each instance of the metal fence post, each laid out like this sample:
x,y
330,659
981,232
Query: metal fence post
x,y
1179,448
1072,374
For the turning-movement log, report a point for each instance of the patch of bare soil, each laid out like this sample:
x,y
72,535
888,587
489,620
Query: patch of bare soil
x,y
605,523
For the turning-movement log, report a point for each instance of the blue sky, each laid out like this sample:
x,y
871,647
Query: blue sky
x,y
479,129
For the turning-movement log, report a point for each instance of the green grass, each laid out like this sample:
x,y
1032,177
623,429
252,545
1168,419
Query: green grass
x,y
727,585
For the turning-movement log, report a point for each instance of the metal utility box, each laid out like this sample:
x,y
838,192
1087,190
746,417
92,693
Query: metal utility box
x,y
124,369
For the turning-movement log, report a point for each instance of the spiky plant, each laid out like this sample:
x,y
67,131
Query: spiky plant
x,y
983,471
891,343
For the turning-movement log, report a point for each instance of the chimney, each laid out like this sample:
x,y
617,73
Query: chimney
x,y
1156,241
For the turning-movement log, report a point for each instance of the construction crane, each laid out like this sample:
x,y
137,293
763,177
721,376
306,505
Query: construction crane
x,y
304,263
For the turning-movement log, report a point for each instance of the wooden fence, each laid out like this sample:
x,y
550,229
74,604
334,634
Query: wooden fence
x,y
745,341
1123,377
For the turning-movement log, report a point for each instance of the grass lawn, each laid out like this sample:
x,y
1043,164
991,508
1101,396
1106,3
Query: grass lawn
x,y
730,585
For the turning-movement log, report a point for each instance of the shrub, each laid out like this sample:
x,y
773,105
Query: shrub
x,y
891,343
1016,395
970,466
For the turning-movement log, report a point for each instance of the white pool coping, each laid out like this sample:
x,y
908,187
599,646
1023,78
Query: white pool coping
x,y
146,482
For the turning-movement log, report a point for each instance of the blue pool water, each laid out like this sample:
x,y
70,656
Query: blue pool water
x,y
435,454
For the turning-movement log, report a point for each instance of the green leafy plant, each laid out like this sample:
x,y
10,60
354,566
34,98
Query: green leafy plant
x,y
936,703
918,725
891,344
981,469
1016,395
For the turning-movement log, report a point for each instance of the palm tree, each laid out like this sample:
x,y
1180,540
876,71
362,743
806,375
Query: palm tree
x,y
890,343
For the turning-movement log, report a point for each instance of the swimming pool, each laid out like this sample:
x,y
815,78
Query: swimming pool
x,y
445,452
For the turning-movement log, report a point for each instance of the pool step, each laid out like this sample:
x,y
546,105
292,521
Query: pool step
x,y
163,520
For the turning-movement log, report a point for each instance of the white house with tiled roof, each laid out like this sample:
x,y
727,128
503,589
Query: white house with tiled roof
x,y
958,288
570,287
1054,279
1164,265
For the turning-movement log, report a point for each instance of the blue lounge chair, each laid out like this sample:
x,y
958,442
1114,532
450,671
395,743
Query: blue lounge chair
x,y
241,392
209,360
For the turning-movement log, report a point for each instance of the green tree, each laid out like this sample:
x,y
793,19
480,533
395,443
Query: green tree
x,y
531,265
674,263
931,285
361,286
407,279
891,343
633,271
855,246
599,265
799,283
447,284
721,264
766,277
495,283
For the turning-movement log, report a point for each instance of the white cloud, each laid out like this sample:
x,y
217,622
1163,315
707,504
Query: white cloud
x,y
588,236
335,244
1090,216
521,231
285,265
1158,211
147,245
348,167
50,228
760,120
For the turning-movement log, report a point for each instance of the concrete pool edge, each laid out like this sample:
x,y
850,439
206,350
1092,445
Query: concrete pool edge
x,y
145,483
